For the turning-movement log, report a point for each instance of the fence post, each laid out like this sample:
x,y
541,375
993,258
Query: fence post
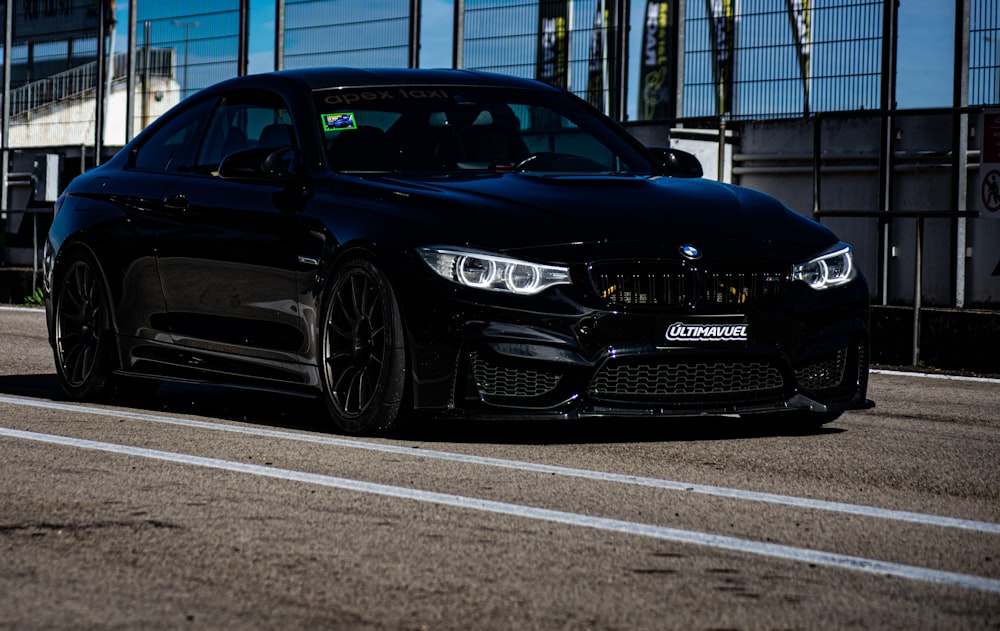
x,y
130,72
458,41
918,282
721,160
5,126
102,60
414,52
279,35
960,142
243,54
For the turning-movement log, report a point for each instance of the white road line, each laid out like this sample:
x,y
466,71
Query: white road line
x,y
617,478
934,375
733,544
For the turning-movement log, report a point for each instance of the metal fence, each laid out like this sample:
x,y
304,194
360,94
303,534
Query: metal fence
x,y
984,52
349,33
736,59
781,58
573,45
207,43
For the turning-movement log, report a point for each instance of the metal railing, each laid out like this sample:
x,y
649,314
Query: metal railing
x,y
918,264
81,80
36,243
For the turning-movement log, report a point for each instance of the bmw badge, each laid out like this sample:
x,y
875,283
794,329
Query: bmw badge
x,y
690,252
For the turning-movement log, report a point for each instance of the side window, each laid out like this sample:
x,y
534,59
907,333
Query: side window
x,y
172,147
244,122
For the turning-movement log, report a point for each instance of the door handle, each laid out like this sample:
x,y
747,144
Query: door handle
x,y
177,202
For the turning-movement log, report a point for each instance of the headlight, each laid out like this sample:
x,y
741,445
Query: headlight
x,y
489,271
832,269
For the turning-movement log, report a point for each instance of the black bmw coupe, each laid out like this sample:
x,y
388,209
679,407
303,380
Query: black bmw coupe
x,y
445,243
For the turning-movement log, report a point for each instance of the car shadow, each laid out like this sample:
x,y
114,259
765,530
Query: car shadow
x,y
45,386
600,431
214,402
299,413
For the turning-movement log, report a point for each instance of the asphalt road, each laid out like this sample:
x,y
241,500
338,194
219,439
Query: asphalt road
x,y
203,508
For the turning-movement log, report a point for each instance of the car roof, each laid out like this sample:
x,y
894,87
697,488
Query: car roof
x,y
343,77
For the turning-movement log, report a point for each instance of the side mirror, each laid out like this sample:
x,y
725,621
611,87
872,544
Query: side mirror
x,y
263,164
677,163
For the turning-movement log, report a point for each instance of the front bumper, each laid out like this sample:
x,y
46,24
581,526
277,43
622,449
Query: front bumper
x,y
557,357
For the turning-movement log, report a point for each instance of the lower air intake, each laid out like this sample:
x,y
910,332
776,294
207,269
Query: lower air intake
x,y
689,379
823,375
493,380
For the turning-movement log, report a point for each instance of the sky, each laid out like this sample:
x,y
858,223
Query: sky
x,y
925,52
924,74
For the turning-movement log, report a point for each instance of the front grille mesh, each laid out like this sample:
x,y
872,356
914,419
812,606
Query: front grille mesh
x,y
669,285
825,374
651,284
739,287
493,380
644,381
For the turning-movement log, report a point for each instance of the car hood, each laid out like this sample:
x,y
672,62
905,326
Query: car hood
x,y
513,212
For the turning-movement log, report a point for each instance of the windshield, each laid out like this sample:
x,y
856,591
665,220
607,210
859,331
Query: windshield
x,y
462,128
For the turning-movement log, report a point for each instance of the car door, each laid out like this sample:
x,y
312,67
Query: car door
x,y
228,259
164,154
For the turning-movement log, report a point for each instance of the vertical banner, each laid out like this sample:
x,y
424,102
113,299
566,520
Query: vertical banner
x,y
656,76
800,17
722,25
552,64
597,70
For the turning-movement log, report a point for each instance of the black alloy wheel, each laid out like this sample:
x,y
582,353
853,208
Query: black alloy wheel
x,y
363,351
82,339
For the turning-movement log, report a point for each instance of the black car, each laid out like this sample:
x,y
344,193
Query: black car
x,y
445,243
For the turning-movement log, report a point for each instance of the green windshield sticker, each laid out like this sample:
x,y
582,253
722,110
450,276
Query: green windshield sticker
x,y
339,121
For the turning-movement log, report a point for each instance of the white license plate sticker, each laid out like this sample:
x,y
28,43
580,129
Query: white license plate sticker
x,y
701,331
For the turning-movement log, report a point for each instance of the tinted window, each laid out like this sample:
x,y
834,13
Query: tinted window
x,y
466,128
172,147
244,122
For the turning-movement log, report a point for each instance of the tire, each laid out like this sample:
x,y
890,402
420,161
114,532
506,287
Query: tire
x,y
83,336
363,352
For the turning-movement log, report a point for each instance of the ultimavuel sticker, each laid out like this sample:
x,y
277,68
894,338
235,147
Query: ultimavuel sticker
x,y
703,330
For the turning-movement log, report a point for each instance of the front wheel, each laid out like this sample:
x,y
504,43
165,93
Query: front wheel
x,y
363,350
82,338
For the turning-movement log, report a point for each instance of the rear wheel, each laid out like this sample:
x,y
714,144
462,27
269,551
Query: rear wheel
x,y
363,351
83,338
